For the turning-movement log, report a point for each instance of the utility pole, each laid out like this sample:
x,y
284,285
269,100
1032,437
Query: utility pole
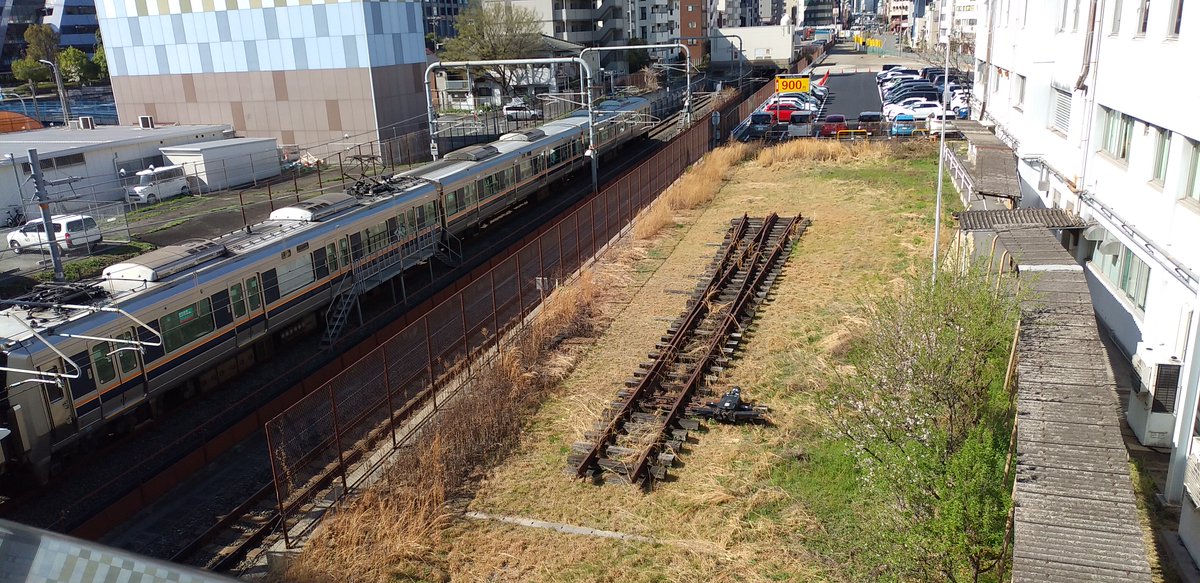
x,y
43,201
62,92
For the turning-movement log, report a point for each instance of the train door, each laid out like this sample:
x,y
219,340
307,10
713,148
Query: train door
x,y
85,394
245,297
58,406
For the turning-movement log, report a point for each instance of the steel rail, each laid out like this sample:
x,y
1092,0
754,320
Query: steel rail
x,y
650,380
755,274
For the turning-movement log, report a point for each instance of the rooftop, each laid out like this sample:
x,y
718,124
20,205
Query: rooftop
x,y
59,140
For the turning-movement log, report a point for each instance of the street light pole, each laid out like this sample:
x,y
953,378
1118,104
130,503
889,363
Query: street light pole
x,y
62,92
937,208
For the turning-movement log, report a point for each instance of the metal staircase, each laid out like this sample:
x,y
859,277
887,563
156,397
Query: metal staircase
x,y
366,274
448,249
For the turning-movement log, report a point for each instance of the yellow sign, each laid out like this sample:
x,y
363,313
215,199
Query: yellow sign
x,y
791,84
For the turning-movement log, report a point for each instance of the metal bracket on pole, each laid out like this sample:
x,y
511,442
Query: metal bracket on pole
x,y
741,50
432,113
687,60
42,198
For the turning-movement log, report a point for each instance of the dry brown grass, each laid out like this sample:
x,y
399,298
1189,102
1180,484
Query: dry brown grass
x,y
390,531
698,185
728,515
822,151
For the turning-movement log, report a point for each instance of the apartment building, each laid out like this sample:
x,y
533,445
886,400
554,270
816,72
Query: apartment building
x,y
899,15
74,20
819,12
653,21
591,23
1100,113
441,14
305,73
694,28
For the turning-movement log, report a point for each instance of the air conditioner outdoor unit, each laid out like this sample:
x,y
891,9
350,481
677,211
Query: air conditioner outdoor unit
x,y
87,122
146,122
1151,411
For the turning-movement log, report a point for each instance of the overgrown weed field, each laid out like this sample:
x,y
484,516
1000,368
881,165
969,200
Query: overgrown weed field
x,y
746,503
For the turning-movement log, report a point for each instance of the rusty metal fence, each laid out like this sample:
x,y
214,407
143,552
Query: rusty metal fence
x,y
387,395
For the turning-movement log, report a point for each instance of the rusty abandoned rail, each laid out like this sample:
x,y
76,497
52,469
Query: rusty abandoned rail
x,y
629,441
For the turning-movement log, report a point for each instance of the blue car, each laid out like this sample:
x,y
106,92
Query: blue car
x,y
903,125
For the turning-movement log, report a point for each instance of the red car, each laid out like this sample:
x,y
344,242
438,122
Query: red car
x,y
832,125
782,112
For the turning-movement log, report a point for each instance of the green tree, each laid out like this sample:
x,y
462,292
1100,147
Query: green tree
x,y
99,61
492,31
41,42
73,64
638,59
925,409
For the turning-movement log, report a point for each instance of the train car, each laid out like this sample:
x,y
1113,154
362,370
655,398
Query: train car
x,y
89,357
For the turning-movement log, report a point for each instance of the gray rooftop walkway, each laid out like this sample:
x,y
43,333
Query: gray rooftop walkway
x,y
1076,518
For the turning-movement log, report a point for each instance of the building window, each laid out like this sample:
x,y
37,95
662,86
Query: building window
x,y
1075,21
1019,91
1116,21
1118,130
1062,17
1143,16
1162,149
1176,17
1124,270
1061,110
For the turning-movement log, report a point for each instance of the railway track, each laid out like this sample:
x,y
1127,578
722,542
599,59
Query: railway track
x,y
246,514
639,436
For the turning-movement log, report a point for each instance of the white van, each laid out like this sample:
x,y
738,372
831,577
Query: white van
x,y
157,184
70,232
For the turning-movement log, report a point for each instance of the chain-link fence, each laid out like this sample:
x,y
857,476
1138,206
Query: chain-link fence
x,y
386,396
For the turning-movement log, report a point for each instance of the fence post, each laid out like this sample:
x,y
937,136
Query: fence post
x,y
387,387
287,543
429,363
495,317
337,440
462,313
320,183
520,286
342,170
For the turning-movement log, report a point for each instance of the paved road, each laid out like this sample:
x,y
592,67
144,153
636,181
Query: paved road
x,y
852,93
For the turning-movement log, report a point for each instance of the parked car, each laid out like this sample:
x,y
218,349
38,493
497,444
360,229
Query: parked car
x,y
782,112
923,110
903,125
820,91
155,184
521,113
907,86
800,104
891,109
832,125
760,124
801,125
870,121
70,232
942,119
801,96
927,94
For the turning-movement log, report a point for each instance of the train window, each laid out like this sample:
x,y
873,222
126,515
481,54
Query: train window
x,y
470,195
555,157
344,246
430,210
377,237
331,257
238,300
412,218
510,177
420,216
102,363
127,357
294,275
187,325
54,390
252,293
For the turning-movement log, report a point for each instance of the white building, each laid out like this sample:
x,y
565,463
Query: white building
x,y
590,23
95,156
899,15
1102,122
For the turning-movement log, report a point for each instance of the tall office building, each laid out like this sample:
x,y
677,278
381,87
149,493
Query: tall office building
x,y
75,21
1099,113
307,72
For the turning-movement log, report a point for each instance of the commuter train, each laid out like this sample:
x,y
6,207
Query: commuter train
x,y
99,355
